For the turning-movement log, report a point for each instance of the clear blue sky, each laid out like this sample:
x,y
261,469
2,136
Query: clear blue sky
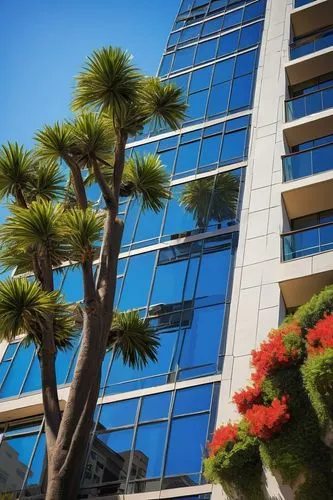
x,y
43,44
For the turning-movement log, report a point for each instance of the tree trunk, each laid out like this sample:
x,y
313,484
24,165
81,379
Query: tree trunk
x,y
69,451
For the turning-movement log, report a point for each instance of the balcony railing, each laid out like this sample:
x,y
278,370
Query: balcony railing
x,y
309,241
308,104
310,162
300,3
312,43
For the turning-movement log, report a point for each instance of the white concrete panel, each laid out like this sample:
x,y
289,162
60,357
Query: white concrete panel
x,y
260,199
268,319
241,373
270,296
257,224
264,153
252,275
246,325
322,262
255,250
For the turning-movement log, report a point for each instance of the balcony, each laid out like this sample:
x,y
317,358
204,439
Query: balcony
x,y
308,104
307,163
309,16
313,43
310,241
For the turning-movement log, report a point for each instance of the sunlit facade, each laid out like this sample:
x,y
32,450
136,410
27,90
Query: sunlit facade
x,y
257,145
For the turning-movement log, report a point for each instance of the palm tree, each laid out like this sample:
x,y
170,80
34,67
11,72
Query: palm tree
x,y
113,100
207,199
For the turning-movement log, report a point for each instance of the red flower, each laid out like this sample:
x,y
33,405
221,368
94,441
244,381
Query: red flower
x,y
321,336
246,398
222,436
273,354
265,421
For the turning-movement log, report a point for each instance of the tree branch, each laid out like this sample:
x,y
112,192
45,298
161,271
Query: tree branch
x,y
107,193
79,187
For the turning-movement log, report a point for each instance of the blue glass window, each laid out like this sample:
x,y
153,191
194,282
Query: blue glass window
x,y
241,93
233,148
37,468
212,26
183,58
245,63
169,283
228,43
150,442
250,36
193,399
18,369
72,288
190,33
118,414
137,282
201,79
206,51
224,71
186,444
210,150
218,99
197,105
187,157
166,65
233,19
155,407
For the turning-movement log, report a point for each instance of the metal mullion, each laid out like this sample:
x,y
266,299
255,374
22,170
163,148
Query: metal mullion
x,y
31,458
167,434
135,431
28,370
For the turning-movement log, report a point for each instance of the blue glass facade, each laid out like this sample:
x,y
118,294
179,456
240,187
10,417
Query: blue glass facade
x,y
176,268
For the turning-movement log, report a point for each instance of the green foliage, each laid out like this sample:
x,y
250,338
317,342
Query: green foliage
x,y
16,168
112,85
25,309
299,448
82,230
146,178
318,380
55,142
237,467
46,182
132,339
310,313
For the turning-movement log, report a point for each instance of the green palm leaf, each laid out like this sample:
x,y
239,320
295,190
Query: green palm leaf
x,y
16,169
145,177
46,182
163,103
109,82
55,142
93,138
24,307
83,229
26,232
132,339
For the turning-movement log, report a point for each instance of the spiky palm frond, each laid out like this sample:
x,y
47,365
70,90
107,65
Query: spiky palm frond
x,y
24,309
132,339
40,225
109,82
163,103
46,182
93,138
207,199
55,142
83,229
16,169
27,232
146,177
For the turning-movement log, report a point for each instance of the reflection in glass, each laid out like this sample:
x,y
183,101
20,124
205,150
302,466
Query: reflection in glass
x,y
15,454
149,451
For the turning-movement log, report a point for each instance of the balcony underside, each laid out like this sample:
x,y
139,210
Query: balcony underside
x,y
308,195
308,128
312,17
310,66
298,291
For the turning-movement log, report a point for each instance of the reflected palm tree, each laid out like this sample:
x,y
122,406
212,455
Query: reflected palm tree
x,y
211,199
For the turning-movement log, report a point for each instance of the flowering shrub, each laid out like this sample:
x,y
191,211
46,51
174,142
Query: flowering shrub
x,y
245,399
223,436
283,348
265,421
320,337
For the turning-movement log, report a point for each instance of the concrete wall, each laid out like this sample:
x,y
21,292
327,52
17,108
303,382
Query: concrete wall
x,y
257,305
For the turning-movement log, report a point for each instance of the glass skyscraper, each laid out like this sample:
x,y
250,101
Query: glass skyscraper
x,y
209,276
